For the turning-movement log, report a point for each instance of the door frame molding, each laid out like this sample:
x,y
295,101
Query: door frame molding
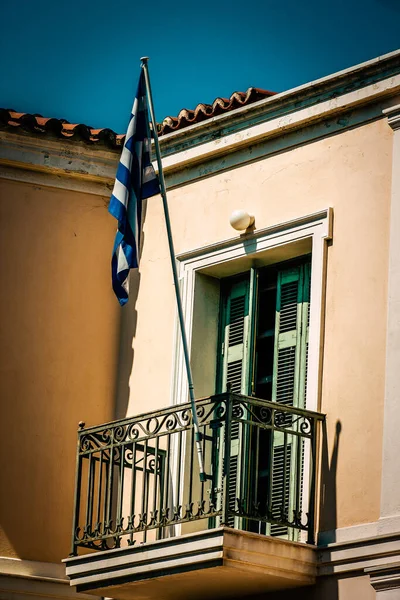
x,y
317,227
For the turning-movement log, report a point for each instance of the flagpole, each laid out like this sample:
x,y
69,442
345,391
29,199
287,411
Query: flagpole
x,y
197,433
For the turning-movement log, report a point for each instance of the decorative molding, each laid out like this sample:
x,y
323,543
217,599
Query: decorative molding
x,y
317,227
359,555
393,116
385,578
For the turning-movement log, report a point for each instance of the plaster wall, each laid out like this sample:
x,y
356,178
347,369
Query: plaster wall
x,y
350,172
58,356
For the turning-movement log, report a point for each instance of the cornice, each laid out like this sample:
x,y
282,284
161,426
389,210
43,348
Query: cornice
x,y
284,103
55,163
277,126
78,158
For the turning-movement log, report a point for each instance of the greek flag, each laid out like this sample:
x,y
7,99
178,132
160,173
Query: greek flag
x,y
135,180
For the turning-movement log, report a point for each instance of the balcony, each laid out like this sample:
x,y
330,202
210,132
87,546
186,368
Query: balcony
x,y
146,525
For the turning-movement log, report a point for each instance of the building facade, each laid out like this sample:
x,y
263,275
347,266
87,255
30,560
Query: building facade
x,y
293,326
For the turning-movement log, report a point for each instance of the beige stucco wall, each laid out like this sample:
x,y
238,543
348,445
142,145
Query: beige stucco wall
x,y
58,356
351,173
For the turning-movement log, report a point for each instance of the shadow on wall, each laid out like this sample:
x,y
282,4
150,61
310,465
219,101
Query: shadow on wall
x,y
326,587
328,495
128,325
324,590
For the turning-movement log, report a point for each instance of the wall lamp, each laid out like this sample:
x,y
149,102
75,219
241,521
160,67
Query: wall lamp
x,y
241,220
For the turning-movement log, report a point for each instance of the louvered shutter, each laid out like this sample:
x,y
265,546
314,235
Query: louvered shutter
x,y
305,324
236,337
234,367
289,383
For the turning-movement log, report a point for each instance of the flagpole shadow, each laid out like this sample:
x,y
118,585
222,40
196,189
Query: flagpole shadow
x,y
127,333
328,493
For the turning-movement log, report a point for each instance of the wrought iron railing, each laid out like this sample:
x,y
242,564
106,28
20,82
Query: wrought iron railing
x,y
137,478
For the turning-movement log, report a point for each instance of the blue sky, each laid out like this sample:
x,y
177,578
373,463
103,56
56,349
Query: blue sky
x,y
79,60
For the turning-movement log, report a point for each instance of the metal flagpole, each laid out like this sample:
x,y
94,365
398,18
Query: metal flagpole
x,y
144,60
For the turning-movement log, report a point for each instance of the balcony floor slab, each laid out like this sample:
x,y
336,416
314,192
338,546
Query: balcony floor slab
x,y
220,562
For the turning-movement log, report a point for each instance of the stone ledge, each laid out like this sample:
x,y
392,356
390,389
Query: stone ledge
x,y
359,555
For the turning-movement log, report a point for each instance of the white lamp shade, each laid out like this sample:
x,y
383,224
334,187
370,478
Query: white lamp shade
x,y
240,220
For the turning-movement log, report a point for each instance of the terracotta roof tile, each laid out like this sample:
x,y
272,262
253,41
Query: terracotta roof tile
x,y
12,120
207,111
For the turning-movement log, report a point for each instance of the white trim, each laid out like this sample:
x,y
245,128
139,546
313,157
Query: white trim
x,y
148,554
318,227
359,555
354,533
148,569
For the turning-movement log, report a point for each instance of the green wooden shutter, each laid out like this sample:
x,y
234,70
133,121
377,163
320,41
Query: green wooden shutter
x,y
289,385
235,337
236,353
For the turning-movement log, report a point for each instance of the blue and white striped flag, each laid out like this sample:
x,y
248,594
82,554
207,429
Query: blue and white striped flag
x,y
135,181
